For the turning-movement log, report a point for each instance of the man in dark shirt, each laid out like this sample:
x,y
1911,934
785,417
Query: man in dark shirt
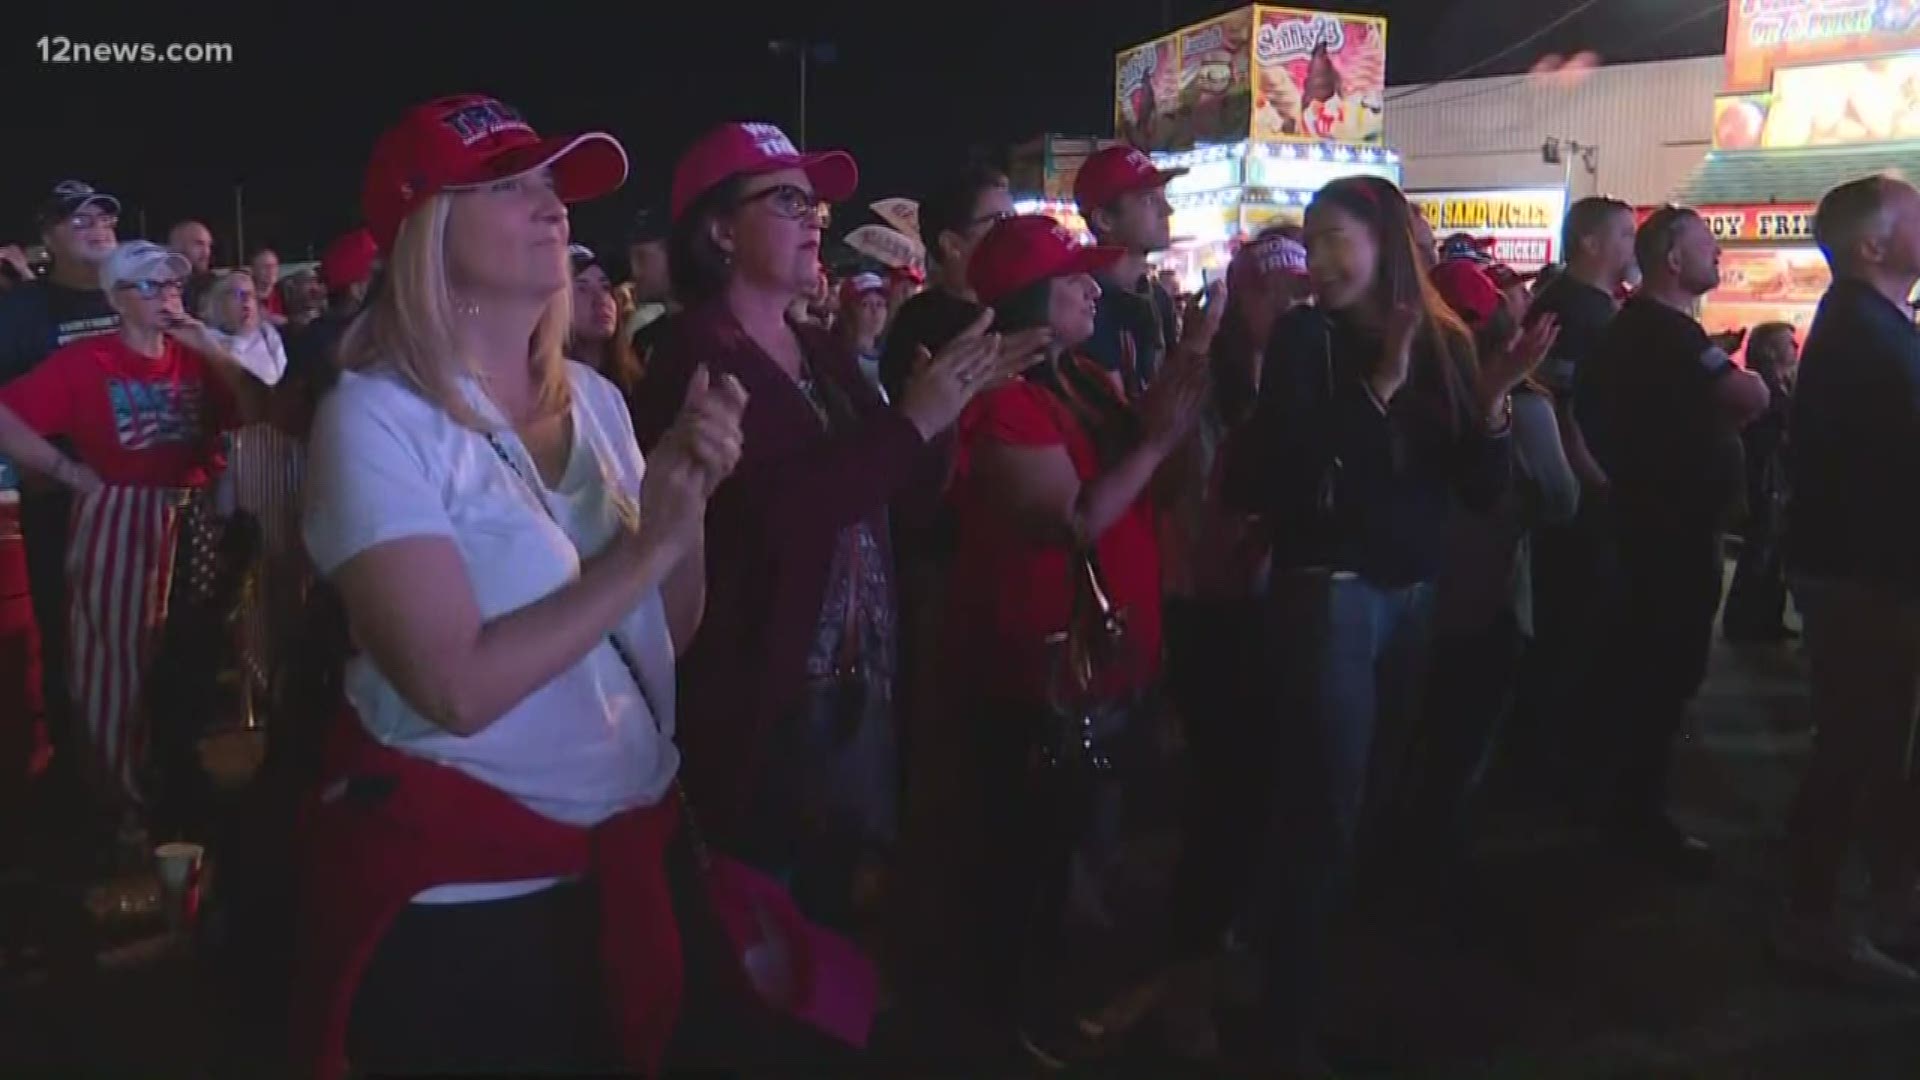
x,y
77,225
953,218
1662,407
346,269
1124,200
1572,563
1853,551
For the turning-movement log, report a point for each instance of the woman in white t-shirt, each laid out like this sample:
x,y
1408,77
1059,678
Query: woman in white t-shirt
x,y
488,888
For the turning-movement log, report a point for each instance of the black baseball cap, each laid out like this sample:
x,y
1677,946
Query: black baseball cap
x,y
581,256
68,197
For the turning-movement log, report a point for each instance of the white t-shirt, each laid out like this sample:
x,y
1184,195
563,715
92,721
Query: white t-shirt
x,y
385,463
261,352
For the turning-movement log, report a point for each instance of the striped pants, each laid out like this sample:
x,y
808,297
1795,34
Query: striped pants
x,y
119,577
264,471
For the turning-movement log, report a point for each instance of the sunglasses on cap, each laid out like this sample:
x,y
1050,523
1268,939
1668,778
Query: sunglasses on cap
x,y
148,289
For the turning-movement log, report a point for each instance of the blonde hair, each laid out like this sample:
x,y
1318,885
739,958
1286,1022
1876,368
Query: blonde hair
x,y
409,324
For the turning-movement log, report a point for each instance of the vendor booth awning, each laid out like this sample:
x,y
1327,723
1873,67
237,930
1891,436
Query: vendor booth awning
x,y
1755,177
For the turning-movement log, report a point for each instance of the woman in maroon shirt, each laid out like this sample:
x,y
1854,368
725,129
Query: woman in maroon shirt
x,y
786,692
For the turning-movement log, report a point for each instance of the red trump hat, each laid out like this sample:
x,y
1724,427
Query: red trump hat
x,y
1023,251
468,140
1108,174
747,149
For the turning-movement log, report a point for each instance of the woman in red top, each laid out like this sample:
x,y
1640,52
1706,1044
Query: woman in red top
x,y
144,410
1051,466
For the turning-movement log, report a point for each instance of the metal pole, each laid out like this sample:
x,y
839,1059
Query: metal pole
x,y
805,48
239,227
143,221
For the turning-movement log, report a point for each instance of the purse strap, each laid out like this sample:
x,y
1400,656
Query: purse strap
x,y
695,838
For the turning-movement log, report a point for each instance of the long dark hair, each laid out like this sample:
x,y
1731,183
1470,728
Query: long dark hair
x,y
1111,424
1444,358
696,267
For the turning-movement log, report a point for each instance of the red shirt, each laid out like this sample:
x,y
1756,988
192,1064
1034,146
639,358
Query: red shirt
x,y
1011,592
271,301
134,420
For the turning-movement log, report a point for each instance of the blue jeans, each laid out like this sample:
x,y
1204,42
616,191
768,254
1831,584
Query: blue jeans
x,y
1350,656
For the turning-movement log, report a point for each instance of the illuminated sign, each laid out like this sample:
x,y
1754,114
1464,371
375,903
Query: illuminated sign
x,y
1764,35
1739,224
1275,74
1534,251
1206,176
1523,223
1303,174
1503,211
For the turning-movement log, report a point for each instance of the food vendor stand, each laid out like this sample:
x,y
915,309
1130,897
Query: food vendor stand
x,y
1523,224
1814,96
1264,105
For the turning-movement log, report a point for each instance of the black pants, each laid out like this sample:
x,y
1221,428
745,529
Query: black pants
x,y
1757,600
1658,659
514,987
1575,603
1214,651
1469,692
509,986
1036,817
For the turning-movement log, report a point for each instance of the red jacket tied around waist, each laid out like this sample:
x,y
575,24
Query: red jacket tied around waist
x,y
386,826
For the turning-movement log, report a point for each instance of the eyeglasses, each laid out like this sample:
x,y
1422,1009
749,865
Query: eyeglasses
x,y
150,289
792,202
81,222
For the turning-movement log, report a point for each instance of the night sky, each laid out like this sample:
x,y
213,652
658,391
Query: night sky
x,y
292,118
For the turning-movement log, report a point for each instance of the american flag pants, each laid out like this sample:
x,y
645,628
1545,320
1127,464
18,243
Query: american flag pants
x,y
119,578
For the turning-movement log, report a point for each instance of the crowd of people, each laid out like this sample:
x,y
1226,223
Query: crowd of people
x,y
698,667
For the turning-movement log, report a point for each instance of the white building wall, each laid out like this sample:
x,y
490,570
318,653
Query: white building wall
x,y
1653,123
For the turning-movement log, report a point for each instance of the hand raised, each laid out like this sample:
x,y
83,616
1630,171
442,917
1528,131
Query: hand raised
x,y
1201,320
942,384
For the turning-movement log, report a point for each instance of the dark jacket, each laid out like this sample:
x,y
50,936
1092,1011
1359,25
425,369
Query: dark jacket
x,y
1398,470
1854,466
1133,327
771,531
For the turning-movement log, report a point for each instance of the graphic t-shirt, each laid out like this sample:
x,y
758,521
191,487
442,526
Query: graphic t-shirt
x,y
37,318
134,420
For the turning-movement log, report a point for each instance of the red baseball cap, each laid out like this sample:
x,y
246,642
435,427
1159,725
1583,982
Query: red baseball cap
x,y
348,260
748,149
1467,289
456,142
1023,251
1264,258
1118,170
